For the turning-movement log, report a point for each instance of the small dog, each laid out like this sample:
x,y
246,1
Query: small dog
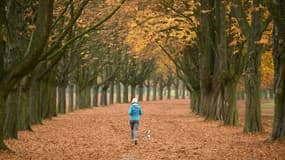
x,y
148,135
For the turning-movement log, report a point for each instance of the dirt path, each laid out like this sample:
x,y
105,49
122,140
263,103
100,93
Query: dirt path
x,y
103,133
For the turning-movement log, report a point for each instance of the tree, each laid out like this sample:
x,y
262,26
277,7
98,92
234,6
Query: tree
x,y
19,70
252,26
277,9
39,50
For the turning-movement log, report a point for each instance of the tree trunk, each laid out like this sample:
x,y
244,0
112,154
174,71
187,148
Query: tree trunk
x,y
104,100
77,97
195,102
183,91
81,98
10,124
177,89
118,93
161,91
95,96
126,94
2,113
62,99
71,97
88,96
148,91
84,100
253,31
23,110
278,130
141,91
22,68
168,92
44,98
231,112
252,87
206,60
154,92
52,111
34,102
133,91
2,36
210,105
111,99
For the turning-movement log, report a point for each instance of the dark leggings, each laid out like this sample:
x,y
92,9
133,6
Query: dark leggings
x,y
134,129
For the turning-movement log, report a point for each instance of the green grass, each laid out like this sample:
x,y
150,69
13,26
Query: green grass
x,y
267,105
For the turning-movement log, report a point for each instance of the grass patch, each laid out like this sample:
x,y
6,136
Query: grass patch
x,y
267,105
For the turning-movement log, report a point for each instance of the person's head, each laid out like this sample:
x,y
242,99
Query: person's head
x,y
134,100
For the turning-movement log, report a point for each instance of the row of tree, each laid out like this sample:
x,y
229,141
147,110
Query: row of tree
x,y
215,43
47,46
41,43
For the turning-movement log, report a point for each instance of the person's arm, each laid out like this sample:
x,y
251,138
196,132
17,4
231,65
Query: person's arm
x,y
130,110
141,111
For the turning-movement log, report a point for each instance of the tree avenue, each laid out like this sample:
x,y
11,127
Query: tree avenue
x,y
35,36
103,52
228,38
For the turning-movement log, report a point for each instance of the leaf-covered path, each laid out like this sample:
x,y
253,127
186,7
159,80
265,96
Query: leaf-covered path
x,y
103,133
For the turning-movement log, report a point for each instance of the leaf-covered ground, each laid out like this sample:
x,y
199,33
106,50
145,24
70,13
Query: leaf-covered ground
x,y
103,133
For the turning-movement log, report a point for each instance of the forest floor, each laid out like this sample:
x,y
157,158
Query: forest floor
x,y
103,133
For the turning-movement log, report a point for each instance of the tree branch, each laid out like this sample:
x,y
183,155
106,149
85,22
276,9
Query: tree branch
x,y
38,43
264,26
62,13
167,5
241,17
86,31
168,55
55,45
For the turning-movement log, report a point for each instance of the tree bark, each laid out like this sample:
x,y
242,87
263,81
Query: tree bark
x,y
177,89
133,91
195,102
231,112
23,110
252,87
278,130
71,97
183,91
34,102
10,124
95,95
253,31
84,98
126,93
206,57
77,97
148,91
2,36
111,99
154,91
62,99
141,92
52,112
168,92
44,98
104,100
2,113
161,86
118,93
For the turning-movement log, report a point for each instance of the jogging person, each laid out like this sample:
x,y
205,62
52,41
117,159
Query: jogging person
x,y
135,112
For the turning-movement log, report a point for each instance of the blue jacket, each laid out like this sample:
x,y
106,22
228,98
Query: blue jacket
x,y
135,111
